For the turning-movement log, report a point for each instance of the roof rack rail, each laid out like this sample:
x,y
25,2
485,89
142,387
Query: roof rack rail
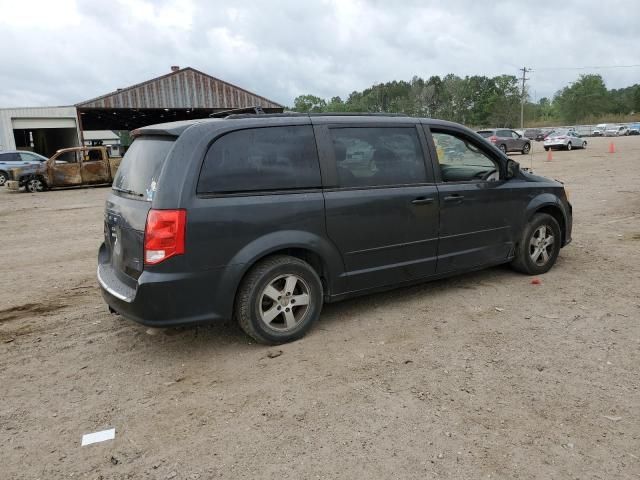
x,y
255,110
241,113
357,114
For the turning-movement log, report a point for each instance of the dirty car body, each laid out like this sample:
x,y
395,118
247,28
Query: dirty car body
x,y
69,167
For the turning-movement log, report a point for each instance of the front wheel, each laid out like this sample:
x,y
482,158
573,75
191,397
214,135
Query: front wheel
x,y
539,245
569,147
279,300
546,149
35,185
526,148
584,144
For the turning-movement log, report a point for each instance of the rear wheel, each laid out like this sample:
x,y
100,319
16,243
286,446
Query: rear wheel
x,y
3,178
546,149
539,245
526,148
503,147
569,147
584,144
35,185
279,300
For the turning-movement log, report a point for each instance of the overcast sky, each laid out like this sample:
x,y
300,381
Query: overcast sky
x,y
62,52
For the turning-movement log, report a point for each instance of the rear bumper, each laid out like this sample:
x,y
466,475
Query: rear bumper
x,y
170,299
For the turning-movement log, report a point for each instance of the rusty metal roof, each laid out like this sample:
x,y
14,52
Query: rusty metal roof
x,y
184,88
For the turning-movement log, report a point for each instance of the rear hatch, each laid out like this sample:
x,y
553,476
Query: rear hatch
x,y
128,204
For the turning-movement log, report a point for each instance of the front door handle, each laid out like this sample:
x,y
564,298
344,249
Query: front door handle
x,y
454,198
422,201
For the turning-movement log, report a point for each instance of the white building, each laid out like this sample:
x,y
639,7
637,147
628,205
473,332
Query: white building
x,y
40,129
108,138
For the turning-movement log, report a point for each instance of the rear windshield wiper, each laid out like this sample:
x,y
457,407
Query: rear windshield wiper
x,y
130,192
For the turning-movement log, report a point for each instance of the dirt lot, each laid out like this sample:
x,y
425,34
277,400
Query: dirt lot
x,y
484,375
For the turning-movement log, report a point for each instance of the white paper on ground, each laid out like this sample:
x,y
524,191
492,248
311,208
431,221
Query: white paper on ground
x,y
96,437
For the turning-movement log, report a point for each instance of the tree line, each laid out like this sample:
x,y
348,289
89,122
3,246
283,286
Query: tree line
x,y
483,101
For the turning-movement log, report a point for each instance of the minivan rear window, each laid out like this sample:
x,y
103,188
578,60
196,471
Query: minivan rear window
x,y
139,170
261,159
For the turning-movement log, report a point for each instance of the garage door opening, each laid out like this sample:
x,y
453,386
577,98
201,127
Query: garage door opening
x,y
45,141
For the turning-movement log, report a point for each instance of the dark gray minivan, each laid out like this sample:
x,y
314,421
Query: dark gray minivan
x,y
263,218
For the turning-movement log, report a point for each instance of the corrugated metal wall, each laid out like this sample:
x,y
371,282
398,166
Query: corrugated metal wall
x,y
186,88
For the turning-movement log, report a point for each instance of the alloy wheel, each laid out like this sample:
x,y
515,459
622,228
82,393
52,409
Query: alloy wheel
x,y
541,245
284,302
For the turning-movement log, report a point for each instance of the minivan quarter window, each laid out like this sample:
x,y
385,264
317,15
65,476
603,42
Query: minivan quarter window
x,y
378,156
261,159
461,160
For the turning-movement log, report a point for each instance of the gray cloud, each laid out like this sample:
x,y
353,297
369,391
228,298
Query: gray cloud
x,y
281,49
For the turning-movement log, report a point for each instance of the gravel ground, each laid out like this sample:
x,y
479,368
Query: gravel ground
x,y
479,376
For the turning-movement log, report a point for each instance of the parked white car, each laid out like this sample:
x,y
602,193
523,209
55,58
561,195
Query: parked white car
x,y
564,139
616,131
599,130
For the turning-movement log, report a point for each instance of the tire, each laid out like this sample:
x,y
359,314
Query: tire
x,y
584,145
35,184
530,257
3,178
546,149
569,147
265,305
526,148
503,148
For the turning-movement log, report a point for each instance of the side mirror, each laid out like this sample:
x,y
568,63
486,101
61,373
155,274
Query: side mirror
x,y
513,168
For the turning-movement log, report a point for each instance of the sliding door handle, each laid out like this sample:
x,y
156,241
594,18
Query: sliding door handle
x,y
422,201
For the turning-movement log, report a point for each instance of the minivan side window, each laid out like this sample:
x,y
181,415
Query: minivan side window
x,y
261,159
377,156
462,161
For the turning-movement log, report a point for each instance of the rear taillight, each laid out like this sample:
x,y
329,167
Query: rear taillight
x,y
493,139
164,235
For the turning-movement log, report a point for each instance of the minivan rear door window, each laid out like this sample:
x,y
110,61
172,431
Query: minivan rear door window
x,y
378,156
139,170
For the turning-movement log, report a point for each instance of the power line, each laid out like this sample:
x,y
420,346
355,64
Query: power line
x,y
591,67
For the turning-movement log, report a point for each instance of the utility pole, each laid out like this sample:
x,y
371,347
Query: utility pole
x,y
524,71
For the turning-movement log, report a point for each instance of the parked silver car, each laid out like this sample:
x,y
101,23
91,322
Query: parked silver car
x,y
507,140
564,139
17,158
616,131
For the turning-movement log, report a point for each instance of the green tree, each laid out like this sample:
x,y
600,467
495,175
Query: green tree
x,y
309,104
585,97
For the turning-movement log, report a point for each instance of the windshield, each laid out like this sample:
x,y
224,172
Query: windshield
x,y
138,173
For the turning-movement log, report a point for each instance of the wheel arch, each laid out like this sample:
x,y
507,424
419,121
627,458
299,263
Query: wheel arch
x,y
320,253
553,209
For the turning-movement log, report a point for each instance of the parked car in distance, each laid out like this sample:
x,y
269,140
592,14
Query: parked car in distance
x,y
634,129
507,140
263,218
16,159
67,168
599,130
564,139
532,133
616,131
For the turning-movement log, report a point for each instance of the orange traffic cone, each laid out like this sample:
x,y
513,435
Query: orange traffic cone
x,y
549,155
612,148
